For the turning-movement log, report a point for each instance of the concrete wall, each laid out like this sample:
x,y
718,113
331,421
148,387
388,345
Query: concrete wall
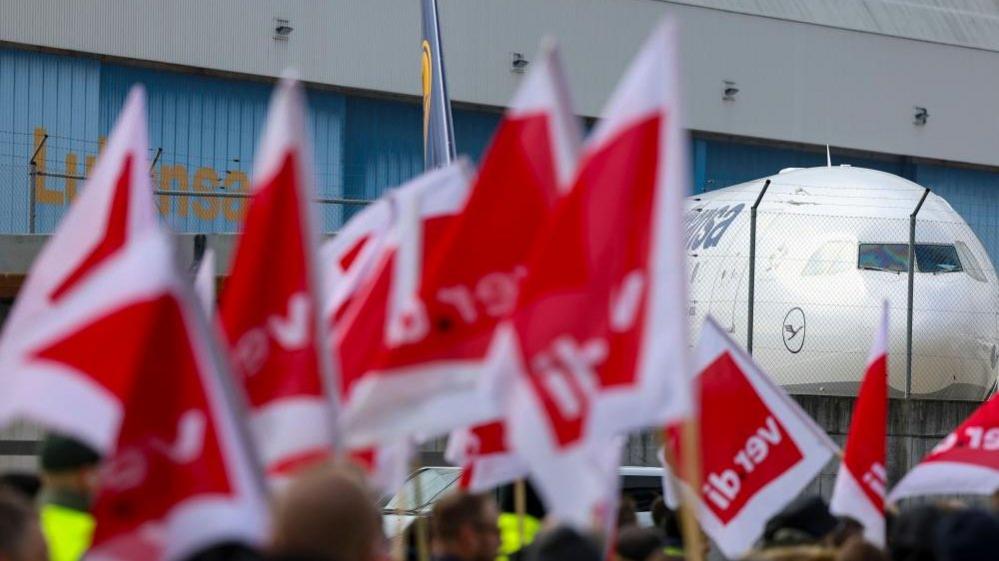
x,y
914,427
798,82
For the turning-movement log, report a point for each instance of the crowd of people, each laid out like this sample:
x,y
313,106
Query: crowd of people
x,y
330,513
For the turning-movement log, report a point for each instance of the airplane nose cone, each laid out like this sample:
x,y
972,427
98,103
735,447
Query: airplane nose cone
x,y
954,351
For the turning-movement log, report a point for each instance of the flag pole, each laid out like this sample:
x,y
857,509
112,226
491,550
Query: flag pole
x,y
520,506
422,543
399,541
693,541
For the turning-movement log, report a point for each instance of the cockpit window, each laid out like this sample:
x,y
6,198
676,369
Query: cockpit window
x,y
894,257
830,258
971,264
937,258
884,257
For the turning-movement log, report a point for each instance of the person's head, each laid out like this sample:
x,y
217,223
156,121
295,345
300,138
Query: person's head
x,y
20,534
25,483
327,514
564,544
847,529
805,521
69,465
793,553
658,510
627,514
856,549
912,531
465,525
639,544
967,535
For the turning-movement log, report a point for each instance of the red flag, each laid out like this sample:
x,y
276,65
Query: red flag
x,y
759,449
966,462
129,356
387,465
350,258
270,309
469,278
88,267
860,485
486,461
600,326
181,477
374,313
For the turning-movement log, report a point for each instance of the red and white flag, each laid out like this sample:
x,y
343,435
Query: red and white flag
x,y
130,365
349,260
486,461
599,333
469,277
386,465
181,477
860,485
270,307
96,243
966,462
759,449
368,318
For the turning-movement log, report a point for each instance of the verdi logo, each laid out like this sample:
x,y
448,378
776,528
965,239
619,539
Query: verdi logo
x,y
739,461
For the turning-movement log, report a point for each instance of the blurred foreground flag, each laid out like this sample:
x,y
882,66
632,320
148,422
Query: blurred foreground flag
x,y
372,313
860,485
349,261
485,459
182,477
966,462
471,277
270,307
758,448
597,344
96,264
117,352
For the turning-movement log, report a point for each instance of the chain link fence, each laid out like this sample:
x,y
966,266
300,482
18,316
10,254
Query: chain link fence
x,y
825,260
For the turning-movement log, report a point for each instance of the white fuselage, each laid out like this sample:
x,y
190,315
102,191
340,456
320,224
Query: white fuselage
x,y
831,246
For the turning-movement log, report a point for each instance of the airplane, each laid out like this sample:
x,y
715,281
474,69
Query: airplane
x,y
832,244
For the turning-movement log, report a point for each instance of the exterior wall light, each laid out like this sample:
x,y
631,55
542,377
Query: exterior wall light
x,y
282,29
729,90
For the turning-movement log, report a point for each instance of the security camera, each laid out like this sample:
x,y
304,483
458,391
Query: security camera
x,y
919,119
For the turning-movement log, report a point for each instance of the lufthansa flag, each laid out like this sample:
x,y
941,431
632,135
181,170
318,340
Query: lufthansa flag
x,y
438,131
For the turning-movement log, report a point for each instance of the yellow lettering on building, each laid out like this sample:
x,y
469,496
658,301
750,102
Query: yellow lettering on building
x,y
206,180
173,178
70,176
43,194
235,208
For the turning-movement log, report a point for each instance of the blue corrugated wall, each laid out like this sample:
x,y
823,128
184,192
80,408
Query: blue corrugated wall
x,y
45,93
207,129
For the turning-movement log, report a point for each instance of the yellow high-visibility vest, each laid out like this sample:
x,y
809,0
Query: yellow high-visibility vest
x,y
509,527
68,532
